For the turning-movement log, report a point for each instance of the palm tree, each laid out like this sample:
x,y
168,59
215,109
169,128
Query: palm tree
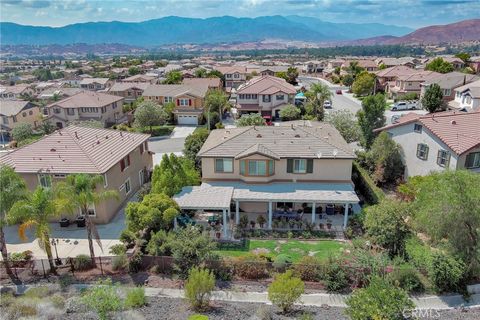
x,y
80,191
12,189
317,95
36,211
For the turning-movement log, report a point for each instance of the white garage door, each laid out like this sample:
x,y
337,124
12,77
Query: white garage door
x,y
186,119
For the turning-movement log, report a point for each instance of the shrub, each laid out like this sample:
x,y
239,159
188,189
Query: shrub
x,y
307,268
198,287
118,249
251,267
135,262
335,277
418,254
285,290
281,262
119,262
169,215
135,298
379,300
103,298
128,238
22,132
365,185
406,278
197,317
37,292
82,262
445,272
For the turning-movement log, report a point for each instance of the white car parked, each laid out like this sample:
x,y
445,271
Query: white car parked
x,y
405,105
327,104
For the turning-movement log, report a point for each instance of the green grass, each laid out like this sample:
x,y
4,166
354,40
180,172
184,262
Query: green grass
x,y
296,249
158,130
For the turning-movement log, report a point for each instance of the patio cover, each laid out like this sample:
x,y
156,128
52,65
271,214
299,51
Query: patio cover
x,y
204,197
321,192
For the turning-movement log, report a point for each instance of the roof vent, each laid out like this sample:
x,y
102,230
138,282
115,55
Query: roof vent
x,y
76,134
453,122
259,135
297,136
106,137
335,152
98,141
53,150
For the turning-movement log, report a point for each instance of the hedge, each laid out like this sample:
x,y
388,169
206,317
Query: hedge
x,y
158,130
365,185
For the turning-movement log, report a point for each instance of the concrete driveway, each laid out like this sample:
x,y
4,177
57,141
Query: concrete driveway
x,y
170,144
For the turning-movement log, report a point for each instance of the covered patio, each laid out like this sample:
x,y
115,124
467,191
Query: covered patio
x,y
313,202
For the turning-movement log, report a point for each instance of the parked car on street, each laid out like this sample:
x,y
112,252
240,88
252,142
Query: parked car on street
x,y
339,91
327,104
405,105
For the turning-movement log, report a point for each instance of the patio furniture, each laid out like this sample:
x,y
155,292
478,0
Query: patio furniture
x,y
213,220
330,209
285,214
64,222
80,222
184,220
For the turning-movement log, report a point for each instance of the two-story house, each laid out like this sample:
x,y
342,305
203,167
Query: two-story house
x,y
85,105
122,158
386,77
130,91
16,92
266,95
234,76
263,170
467,97
95,84
188,99
437,141
448,82
410,83
15,112
141,78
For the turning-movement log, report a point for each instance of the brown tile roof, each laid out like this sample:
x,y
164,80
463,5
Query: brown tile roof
x,y
208,82
473,88
16,89
94,80
74,149
266,85
231,69
122,86
452,80
419,76
296,139
174,90
86,99
139,77
395,71
460,131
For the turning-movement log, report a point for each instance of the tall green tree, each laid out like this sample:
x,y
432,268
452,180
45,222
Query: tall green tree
x,y
193,144
447,208
433,98
149,114
36,212
173,77
215,101
292,75
364,84
354,69
81,191
372,116
316,96
134,70
253,119
439,65
290,112
346,123
384,160
12,189
172,174
464,56
200,73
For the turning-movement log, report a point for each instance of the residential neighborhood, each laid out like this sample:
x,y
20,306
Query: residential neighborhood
x,y
282,167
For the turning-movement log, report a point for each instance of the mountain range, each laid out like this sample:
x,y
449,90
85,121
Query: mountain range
x,y
179,30
227,29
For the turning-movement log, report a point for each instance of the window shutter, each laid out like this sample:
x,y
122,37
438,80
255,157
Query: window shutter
x,y
128,160
469,160
141,148
289,165
122,165
309,165
189,102
178,102
271,167
447,162
242,167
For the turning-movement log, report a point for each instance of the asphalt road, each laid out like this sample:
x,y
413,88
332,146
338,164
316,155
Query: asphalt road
x,y
339,102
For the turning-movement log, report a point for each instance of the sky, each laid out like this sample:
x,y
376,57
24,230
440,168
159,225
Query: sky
x,y
411,13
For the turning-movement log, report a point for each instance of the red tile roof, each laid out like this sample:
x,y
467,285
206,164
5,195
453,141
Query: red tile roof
x,y
266,85
74,149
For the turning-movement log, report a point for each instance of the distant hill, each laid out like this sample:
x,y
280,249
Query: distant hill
x,y
178,30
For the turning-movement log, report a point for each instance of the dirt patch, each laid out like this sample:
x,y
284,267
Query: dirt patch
x,y
260,251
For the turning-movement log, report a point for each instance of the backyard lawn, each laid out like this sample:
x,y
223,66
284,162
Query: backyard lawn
x,y
296,249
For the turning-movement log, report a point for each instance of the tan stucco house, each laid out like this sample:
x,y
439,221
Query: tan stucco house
x,y
15,112
121,157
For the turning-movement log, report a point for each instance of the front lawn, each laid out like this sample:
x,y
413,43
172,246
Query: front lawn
x,y
296,249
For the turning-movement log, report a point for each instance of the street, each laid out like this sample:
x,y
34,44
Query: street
x,y
169,144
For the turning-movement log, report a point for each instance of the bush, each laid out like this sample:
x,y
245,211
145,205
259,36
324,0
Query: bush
x,y
379,300
198,287
37,292
82,262
446,273
281,262
128,238
119,262
135,298
118,249
308,268
285,290
335,277
197,317
103,298
290,112
22,132
418,254
135,262
158,131
251,267
406,277
365,185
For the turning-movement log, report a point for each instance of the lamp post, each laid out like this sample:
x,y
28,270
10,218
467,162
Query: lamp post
x,y
58,261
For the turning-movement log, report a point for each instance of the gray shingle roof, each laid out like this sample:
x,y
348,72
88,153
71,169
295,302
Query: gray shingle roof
x,y
297,140
201,197
12,107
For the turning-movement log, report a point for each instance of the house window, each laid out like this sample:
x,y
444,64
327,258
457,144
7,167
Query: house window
x,y
59,176
447,92
145,146
125,163
5,120
184,102
473,160
236,76
224,165
422,151
299,165
280,97
266,98
129,93
468,100
45,180
141,149
417,128
104,109
56,110
141,177
114,105
14,118
254,96
167,99
443,158
70,111
105,181
24,114
259,168
127,186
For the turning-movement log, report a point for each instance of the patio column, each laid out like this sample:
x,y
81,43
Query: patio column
x,y
345,215
225,223
313,212
237,212
270,215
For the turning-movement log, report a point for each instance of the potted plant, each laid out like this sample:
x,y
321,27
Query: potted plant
x,y
276,224
80,221
252,224
243,222
261,220
329,224
64,222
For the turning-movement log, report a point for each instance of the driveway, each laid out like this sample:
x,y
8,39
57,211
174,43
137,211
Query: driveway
x,y
170,144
